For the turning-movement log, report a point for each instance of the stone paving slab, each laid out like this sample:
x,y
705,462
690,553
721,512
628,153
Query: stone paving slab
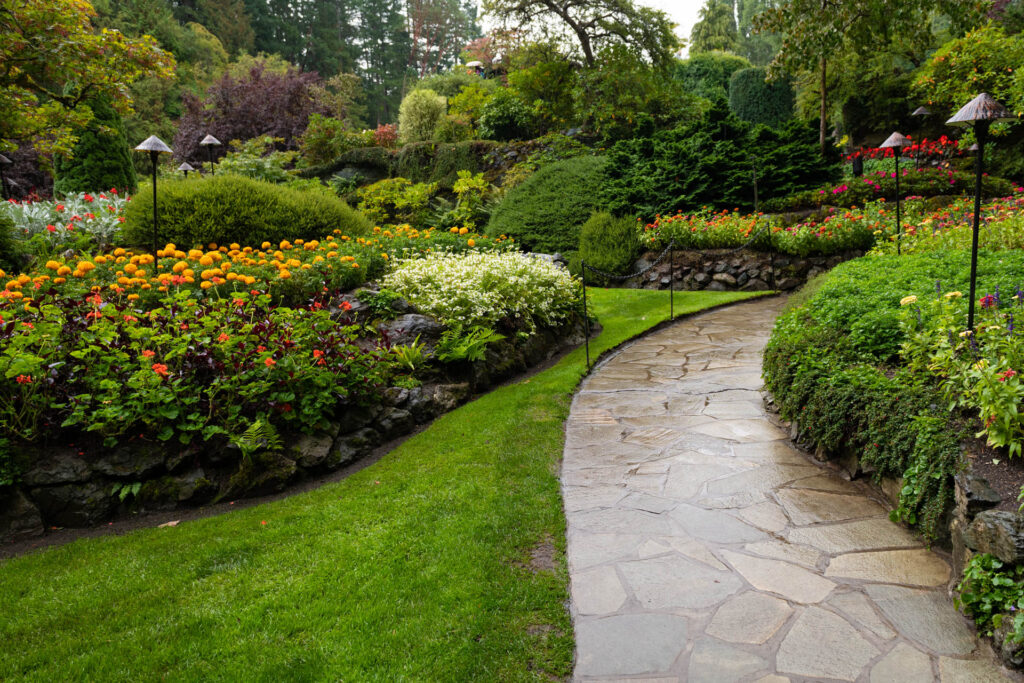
x,y
702,546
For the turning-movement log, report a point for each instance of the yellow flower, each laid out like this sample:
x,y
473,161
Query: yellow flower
x,y
908,300
206,260
953,295
59,280
100,260
463,231
265,246
86,266
133,297
119,252
454,231
52,265
284,274
471,243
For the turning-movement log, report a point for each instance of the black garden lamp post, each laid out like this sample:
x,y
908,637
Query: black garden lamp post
x,y
185,168
209,142
897,142
923,112
982,111
155,146
4,161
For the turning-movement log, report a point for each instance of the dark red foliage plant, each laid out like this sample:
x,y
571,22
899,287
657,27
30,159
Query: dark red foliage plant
x,y
263,102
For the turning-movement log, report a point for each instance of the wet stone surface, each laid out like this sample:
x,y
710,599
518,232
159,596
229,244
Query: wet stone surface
x,y
703,546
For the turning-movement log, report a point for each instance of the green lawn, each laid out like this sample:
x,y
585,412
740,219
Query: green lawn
x,y
416,568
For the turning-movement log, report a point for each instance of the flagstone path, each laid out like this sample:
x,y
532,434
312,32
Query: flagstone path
x,y
703,546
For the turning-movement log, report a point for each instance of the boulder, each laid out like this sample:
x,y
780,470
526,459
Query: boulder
x,y
19,518
973,494
347,449
405,329
395,422
132,461
999,533
194,487
74,505
755,285
1012,653
263,473
725,279
63,467
312,450
450,396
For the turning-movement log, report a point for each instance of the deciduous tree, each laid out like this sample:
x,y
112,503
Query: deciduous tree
x,y
53,60
594,24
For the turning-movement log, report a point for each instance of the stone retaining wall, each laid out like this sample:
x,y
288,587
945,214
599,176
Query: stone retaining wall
x,y
727,269
973,527
70,486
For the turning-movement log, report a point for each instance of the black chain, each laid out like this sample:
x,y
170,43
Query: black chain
x,y
661,257
656,261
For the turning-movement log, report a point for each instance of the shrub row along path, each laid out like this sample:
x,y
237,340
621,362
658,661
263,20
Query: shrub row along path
x,y
702,546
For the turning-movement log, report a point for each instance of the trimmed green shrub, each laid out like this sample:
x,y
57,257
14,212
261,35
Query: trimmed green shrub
x,y
755,100
419,115
608,243
225,209
12,250
707,74
100,160
546,211
395,201
452,83
506,117
710,162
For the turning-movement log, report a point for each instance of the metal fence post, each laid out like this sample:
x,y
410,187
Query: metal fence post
x,y
586,316
671,280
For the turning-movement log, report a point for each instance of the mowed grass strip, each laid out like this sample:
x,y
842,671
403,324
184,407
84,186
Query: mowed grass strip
x,y
416,568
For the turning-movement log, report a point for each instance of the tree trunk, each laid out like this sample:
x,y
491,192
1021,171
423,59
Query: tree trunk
x,y
822,116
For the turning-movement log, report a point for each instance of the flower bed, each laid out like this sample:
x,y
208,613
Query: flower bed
x,y
925,182
110,359
288,272
832,233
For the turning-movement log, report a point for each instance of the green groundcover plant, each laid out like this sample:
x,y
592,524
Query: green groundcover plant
x,y
839,363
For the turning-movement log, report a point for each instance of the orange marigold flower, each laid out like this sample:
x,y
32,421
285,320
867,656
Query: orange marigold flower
x,y
269,362
223,337
148,354
160,369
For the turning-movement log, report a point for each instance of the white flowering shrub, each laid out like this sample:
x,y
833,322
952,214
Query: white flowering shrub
x,y
481,288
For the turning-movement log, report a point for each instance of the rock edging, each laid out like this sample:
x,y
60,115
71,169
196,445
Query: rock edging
x,y
68,487
974,526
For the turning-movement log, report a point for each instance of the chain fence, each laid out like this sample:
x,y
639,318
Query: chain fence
x,y
668,251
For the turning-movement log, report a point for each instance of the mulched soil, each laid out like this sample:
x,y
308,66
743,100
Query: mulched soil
x,y
1003,473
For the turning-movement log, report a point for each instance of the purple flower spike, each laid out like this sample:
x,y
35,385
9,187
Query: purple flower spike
x,y
938,287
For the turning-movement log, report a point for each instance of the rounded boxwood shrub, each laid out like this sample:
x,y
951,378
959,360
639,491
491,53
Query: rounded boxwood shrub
x,y
545,212
754,99
228,208
608,243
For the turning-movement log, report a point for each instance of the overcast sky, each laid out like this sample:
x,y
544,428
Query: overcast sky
x,y
683,12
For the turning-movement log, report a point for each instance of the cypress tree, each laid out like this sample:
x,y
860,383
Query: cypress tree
x,y
101,159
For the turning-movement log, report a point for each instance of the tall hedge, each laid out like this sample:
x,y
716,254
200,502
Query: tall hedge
x,y
545,212
229,208
755,100
707,74
101,159
710,162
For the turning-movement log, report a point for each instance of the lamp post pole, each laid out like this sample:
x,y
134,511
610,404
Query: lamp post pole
x,y
981,133
155,146
982,111
897,142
